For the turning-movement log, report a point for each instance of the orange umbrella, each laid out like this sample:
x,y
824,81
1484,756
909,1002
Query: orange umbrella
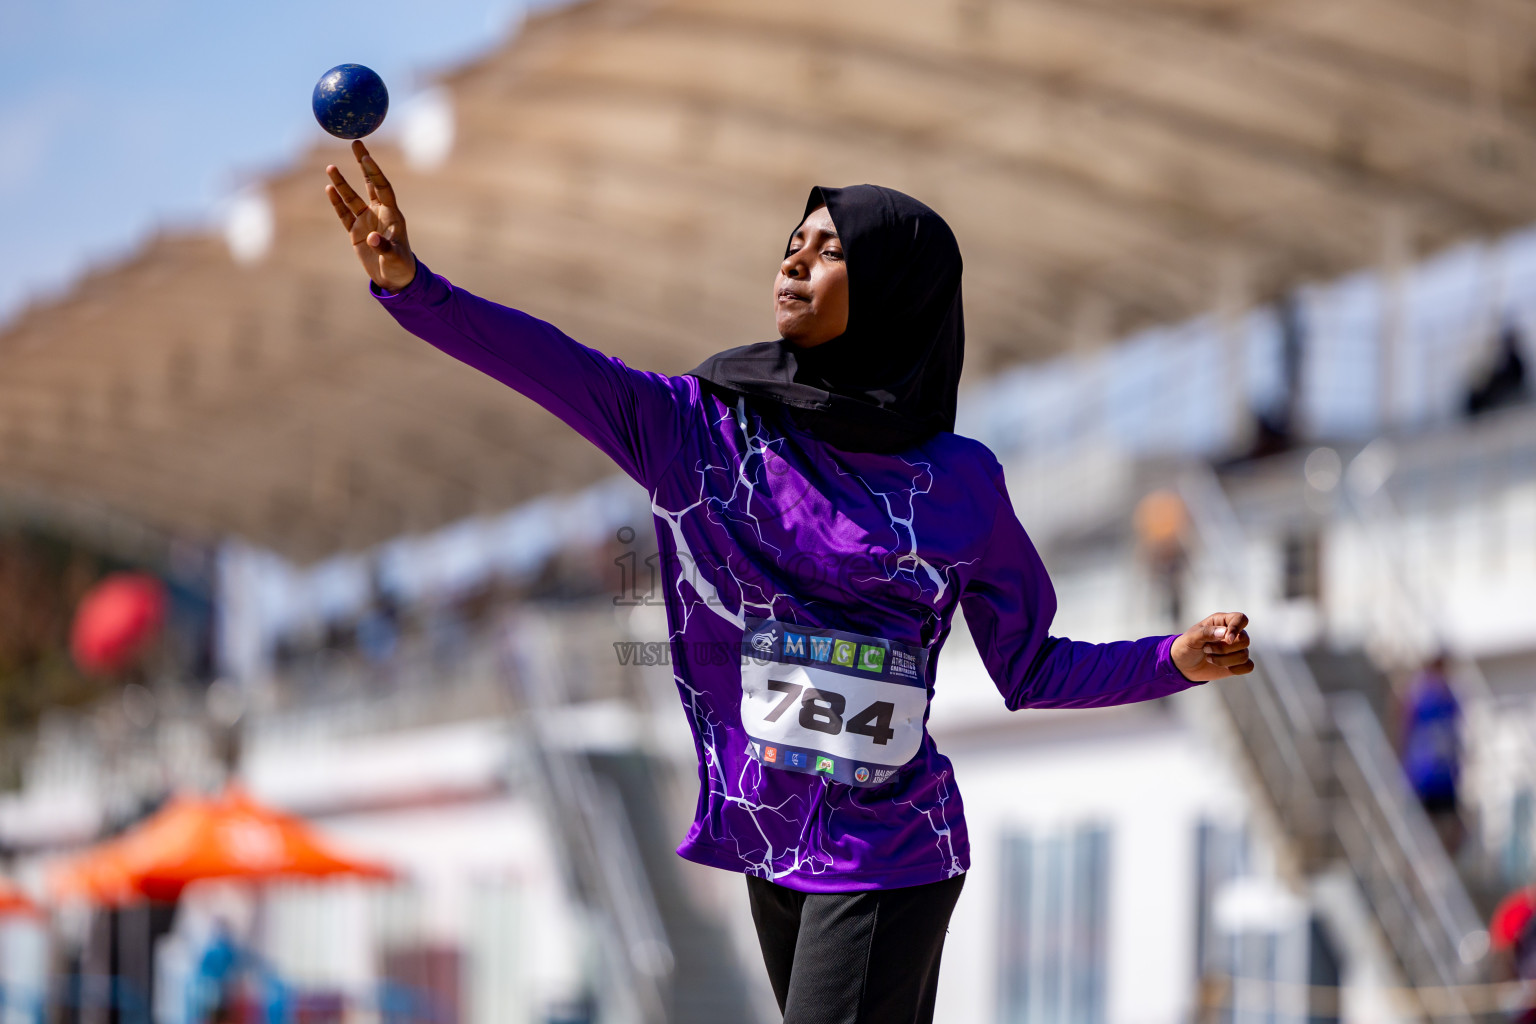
x,y
240,838
109,873
14,901
195,838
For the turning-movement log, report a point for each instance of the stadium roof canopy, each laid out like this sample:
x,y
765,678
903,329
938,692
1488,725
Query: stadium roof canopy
x,y
631,169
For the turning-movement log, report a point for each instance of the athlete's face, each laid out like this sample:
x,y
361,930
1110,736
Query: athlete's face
x,y
810,292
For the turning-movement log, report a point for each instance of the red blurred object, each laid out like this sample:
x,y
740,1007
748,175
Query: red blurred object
x,y
1511,918
116,621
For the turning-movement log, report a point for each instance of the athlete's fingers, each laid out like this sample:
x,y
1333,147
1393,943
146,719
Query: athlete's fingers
x,y
1234,643
378,185
1227,660
379,242
354,202
1223,626
347,217
1241,670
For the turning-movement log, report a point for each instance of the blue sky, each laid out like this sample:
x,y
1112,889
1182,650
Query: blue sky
x,y
118,117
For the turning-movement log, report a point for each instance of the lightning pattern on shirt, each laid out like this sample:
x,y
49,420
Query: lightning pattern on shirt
x,y
747,830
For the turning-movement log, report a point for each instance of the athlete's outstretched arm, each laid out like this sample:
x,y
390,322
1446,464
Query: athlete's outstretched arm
x,y
636,418
1009,604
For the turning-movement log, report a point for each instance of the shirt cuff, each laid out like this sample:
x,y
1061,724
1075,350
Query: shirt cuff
x,y
1165,663
410,291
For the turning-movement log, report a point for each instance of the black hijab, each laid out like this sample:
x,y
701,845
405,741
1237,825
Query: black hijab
x,y
890,381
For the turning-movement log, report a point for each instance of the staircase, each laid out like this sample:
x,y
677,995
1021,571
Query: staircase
x,y
1309,731
1350,671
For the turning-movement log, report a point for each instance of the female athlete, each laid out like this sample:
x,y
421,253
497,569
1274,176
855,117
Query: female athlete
x,y
820,524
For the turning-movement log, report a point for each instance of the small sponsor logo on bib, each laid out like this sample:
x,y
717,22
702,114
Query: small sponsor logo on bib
x,y
861,774
763,641
825,764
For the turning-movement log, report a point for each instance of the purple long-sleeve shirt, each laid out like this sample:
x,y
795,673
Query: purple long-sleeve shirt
x,y
808,593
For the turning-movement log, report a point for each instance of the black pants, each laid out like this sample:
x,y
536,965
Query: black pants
x,y
854,957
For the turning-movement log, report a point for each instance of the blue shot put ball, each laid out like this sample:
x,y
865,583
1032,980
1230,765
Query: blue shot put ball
x,y
350,101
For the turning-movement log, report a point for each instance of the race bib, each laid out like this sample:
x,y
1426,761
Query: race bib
x,y
826,702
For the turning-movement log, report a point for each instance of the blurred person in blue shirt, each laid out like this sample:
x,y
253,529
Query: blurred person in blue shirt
x,y
212,985
214,995
1431,746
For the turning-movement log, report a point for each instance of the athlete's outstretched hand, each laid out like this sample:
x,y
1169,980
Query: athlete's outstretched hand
x,y
1214,648
375,225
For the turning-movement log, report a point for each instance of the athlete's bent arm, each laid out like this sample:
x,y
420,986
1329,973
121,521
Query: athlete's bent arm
x,y
635,418
1009,604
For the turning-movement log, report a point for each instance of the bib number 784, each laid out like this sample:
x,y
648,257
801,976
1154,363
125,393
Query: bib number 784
x,y
821,710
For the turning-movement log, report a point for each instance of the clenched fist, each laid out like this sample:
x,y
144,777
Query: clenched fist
x,y
1214,648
